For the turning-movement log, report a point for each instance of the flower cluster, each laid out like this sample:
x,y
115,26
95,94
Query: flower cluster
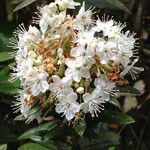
x,y
71,63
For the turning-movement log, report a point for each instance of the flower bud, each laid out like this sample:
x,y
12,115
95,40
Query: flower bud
x,y
53,7
76,85
39,60
87,82
62,5
80,90
32,54
93,44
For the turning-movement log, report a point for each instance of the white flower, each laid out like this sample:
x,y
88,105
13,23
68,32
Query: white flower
x,y
105,87
21,105
83,55
51,20
68,106
125,48
93,103
22,68
24,41
108,28
83,18
61,86
132,70
36,81
70,4
106,50
75,72
85,37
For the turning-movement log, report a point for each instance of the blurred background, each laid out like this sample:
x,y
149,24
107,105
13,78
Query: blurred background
x,y
137,16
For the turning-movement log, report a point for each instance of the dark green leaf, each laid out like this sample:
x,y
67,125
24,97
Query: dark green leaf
x,y
117,117
32,146
44,127
114,102
80,128
112,148
105,135
5,56
4,73
58,132
49,144
112,4
109,136
24,4
9,88
4,39
128,89
3,147
6,86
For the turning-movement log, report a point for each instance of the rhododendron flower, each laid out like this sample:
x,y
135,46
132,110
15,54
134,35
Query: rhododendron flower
x,y
71,64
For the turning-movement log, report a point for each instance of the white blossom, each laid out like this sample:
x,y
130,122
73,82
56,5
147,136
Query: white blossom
x,y
83,55
21,105
36,81
93,103
125,48
83,18
51,20
21,70
108,28
68,106
132,70
77,73
105,87
61,86
24,40
85,37
61,59
70,4
106,50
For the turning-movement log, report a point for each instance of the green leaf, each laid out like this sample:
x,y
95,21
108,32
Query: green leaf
x,y
128,89
4,39
112,148
4,73
5,56
44,127
58,132
24,4
105,135
6,86
117,117
3,146
80,128
32,146
112,4
109,136
114,102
